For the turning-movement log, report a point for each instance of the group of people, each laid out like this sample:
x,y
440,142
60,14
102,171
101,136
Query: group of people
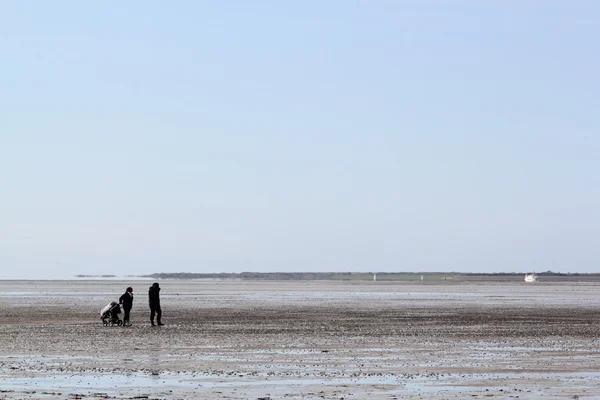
x,y
126,301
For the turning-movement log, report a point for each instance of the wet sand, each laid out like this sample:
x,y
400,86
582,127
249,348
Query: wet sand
x,y
302,340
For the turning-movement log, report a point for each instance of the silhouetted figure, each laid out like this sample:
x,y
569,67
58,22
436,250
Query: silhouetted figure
x,y
127,301
154,301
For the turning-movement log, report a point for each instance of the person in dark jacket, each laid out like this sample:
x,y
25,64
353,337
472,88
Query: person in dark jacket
x,y
154,301
126,300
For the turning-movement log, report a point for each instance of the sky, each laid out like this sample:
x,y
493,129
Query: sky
x,y
285,136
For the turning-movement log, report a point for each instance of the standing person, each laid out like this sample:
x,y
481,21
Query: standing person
x,y
126,300
154,301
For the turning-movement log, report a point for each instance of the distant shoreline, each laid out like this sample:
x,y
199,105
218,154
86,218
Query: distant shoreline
x,y
548,276
390,277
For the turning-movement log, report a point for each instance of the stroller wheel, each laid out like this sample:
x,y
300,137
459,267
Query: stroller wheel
x,y
105,322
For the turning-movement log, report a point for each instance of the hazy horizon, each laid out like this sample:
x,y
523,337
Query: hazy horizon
x,y
269,136
148,277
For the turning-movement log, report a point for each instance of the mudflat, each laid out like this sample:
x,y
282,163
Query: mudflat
x,y
302,340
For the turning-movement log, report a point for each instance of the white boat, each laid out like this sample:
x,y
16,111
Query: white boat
x,y
531,278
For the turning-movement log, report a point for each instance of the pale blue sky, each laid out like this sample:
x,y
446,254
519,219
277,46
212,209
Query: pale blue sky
x,y
229,136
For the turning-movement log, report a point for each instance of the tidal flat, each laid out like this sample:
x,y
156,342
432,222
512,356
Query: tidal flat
x,y
302,340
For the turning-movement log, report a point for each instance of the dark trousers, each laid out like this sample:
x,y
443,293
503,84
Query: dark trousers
x,y
157,311
126,316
